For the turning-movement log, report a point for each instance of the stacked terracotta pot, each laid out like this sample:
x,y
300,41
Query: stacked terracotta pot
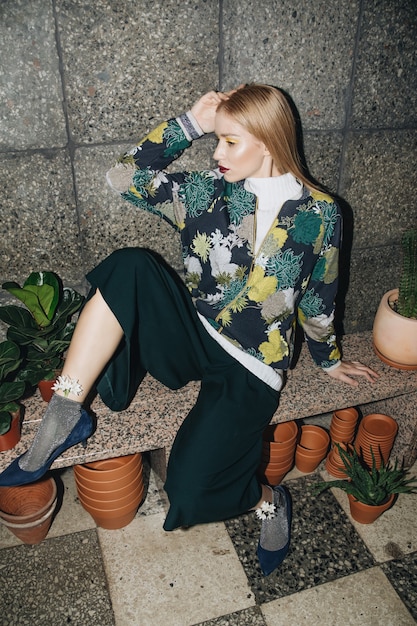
x,y
311,448
111,490
279,442
342,431
376,434
343,425
27,510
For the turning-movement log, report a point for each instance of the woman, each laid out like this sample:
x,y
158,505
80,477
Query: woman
x,y
260,248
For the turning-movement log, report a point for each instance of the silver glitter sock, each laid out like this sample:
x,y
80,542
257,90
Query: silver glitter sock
x,y
60,418
275,532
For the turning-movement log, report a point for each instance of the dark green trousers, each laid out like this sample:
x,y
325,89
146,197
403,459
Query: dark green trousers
x,y
211,472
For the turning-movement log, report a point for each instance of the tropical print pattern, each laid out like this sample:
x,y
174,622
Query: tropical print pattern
x,y
253,300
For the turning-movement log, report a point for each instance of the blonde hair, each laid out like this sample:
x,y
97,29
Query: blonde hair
x,y
265,112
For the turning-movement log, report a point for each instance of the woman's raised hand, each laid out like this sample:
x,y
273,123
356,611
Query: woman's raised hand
x,y
204,110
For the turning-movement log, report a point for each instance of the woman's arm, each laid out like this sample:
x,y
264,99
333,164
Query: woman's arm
x,y
347,369
319,330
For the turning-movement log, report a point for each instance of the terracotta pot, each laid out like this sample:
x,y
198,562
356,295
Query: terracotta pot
x,y
342,427
114,519
380,426
136,473
273,478
307,463
284,432
45,389
27,510
109,469
111,501
338,435
334,468
376,432
393,335
277,467
314,440
278,456
365,453
312,448
345,416
273,456
366,514
10,439
111,490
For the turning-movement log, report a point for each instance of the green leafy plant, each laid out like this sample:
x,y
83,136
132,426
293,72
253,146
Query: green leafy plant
x,y
370,486
407,291
43,328
10,390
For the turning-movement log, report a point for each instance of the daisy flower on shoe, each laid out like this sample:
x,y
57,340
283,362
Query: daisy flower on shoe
x,y
266,511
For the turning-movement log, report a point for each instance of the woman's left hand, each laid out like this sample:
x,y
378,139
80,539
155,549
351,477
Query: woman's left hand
x,y
204,110
347,369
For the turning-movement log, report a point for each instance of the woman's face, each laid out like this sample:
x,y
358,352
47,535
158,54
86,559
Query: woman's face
x,y
239,154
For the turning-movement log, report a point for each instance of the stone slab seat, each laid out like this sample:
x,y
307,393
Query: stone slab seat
x,y
154,416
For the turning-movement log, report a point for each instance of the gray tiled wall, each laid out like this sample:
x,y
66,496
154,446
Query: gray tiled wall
x,y
81,81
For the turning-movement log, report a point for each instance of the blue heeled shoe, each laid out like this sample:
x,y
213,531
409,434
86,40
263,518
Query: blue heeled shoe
x,y
14,476
269,560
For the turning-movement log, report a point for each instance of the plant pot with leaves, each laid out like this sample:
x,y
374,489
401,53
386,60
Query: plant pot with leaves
x,y
10,393
395,324
370,492
43,328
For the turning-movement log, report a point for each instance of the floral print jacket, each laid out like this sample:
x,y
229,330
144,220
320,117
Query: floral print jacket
x,y
253,300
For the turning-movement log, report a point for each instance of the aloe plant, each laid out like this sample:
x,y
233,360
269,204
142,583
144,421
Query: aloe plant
x,y
10,390
372,486
407,292
43,328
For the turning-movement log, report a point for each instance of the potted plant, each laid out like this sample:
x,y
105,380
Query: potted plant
x,y
10,392
43,328
370,492
395,324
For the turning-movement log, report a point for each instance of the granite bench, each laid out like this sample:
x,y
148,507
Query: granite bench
x,y
154,416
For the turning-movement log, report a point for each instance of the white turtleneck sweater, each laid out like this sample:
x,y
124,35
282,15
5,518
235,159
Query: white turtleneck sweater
x,y
271,193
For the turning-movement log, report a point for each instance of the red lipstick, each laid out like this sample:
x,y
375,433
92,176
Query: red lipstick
x,y
223,170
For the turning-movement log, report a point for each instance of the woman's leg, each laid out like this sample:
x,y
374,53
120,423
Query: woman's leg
x,y
95,340
96,337
213,463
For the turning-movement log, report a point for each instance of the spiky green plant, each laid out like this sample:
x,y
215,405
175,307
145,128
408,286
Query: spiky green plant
x,y
372,486
407,292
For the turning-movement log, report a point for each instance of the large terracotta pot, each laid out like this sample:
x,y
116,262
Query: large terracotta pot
x,y
394,336
27,510
365,513
10,439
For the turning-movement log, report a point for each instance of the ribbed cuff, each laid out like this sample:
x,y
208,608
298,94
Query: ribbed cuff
x,y
190,126
332,367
